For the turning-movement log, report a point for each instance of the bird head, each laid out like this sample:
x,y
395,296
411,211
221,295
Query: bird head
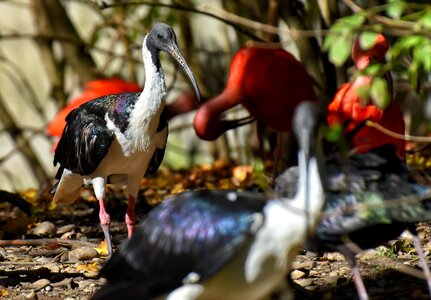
x,y
362,58
162,38
305,125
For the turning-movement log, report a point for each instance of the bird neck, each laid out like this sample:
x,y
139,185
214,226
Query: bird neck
x,y
311,189
145,116
207,122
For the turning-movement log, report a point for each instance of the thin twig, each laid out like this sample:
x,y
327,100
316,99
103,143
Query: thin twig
x,y
189,9
406,137
41,242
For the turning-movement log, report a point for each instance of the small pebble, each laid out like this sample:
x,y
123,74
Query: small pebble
x,y
331,279
344,271
304,282
44,229
334,256
82,253
303,265
39,284
31,296
296,274
43,259
65,228
82,237
367,255
53,267
68,235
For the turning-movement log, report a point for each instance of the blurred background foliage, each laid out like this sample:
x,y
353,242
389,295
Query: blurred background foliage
x,y
50,48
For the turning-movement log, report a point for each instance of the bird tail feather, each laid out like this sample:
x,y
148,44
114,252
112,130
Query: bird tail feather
x,y
68,187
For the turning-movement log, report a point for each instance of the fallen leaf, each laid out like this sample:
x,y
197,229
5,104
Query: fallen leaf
x,y
90,267
241,173
102,249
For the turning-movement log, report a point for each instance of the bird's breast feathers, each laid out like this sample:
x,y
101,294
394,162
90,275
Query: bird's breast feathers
x,y
139,136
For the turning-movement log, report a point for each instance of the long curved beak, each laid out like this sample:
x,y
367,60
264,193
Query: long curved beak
x,y
175,52
231,124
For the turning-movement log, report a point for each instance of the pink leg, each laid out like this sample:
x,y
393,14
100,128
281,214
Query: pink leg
x,y
422,259
105,221
359,283
130,215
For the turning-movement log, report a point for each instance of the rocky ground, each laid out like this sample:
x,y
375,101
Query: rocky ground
x,y
55,252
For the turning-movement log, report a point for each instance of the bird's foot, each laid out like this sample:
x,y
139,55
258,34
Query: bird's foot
x,y
105,228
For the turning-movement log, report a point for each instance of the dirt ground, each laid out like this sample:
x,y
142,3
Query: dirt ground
x,y
51,255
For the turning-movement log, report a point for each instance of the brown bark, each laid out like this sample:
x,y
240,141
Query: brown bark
x,y
51,16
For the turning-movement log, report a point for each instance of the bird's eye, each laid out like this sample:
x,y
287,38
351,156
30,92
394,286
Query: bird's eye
x,y
159,36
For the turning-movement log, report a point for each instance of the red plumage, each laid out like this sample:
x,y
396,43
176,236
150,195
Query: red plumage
x,y
92,90
348,108
268,82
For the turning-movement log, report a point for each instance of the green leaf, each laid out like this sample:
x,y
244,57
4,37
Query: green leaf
x,y
410,41
333,133
373,69
339,50
425,20
395,9
355,20
363,93
414,73
421,54
367,39
329,39
379,93
426,59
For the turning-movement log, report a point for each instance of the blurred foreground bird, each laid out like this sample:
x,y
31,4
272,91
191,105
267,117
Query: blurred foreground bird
x,y
350,109
121,137
371,199
269,83
220,244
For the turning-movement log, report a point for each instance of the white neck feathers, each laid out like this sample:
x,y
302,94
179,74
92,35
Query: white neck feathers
x,y
144,118
313,186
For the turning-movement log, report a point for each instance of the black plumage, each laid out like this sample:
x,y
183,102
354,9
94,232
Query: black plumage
x,y
193,232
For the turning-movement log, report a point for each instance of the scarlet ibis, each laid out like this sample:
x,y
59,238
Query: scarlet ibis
x,y
220,244
367,203
348,108
121,136
268,82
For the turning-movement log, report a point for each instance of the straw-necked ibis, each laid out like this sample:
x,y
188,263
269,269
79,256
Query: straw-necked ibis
x,y
268,82
371,198
121,136
348,108
220,244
